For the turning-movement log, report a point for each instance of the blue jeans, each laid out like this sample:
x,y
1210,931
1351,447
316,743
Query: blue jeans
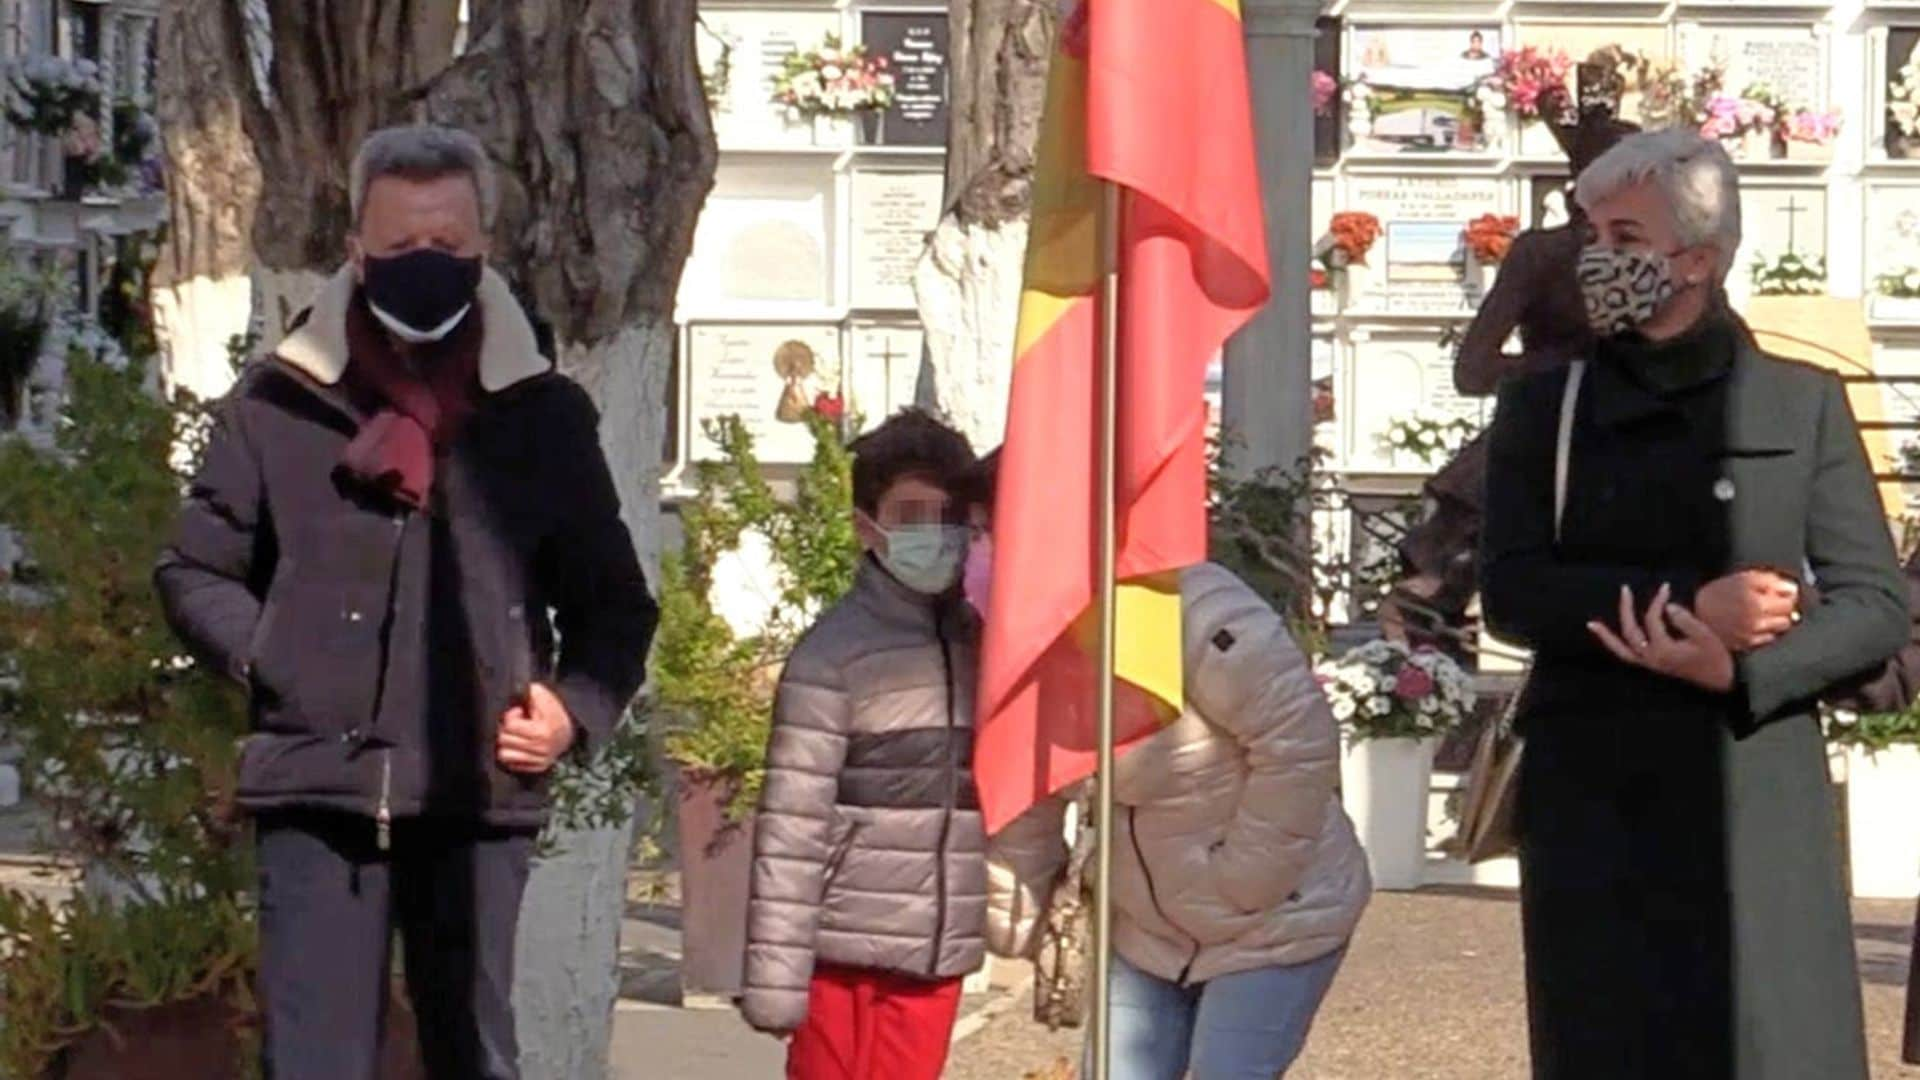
x,y
1246,1026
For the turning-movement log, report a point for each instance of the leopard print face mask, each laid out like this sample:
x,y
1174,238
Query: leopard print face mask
x,y
1623,289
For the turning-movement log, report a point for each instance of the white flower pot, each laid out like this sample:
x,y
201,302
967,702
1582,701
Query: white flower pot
x,y
1384,783
1883,822
1896,308
832,131
1478,278
1354,285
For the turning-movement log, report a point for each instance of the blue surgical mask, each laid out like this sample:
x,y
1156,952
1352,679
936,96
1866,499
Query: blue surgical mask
x,y
925,558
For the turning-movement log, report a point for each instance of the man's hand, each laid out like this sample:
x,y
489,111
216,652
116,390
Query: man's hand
x,y
1697,656
1749,609
535,733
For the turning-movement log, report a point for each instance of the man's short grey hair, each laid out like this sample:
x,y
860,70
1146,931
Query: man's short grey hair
x,y
422,152
1698,179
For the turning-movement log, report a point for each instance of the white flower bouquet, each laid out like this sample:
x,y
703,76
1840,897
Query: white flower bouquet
x,y
1427,440
1903,98
1903,284
1789,275
834,80
1383,690
48,94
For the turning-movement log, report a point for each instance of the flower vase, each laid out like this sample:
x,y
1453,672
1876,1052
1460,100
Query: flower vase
x,y
873,127
1384,785
1903,147
1478,278
829,130
1883,793
1352,285
1630,105
1895,308
1809,151
1756,146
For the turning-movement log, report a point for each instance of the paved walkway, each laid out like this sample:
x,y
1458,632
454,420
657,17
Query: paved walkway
x,y
1432,991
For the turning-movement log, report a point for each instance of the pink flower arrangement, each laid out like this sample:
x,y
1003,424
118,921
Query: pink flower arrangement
x,y
1726,116
1808,126
1325,88
834,80
1525,74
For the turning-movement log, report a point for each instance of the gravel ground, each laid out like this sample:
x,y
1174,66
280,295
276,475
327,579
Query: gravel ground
x,y
1432,990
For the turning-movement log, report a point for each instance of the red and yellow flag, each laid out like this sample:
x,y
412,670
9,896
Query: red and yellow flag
x,y
1152,96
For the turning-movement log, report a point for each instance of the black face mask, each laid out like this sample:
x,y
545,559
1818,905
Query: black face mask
x,y
422,295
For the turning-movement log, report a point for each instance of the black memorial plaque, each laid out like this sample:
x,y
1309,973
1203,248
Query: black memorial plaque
x,y
914,44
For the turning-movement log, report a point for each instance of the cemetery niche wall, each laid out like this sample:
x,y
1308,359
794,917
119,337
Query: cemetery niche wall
x,y
1429,139
832,121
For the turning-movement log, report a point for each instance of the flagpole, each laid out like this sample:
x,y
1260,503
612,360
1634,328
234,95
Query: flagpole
x,y
1103,797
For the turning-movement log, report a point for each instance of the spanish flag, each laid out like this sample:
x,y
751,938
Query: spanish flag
x,y
1151,96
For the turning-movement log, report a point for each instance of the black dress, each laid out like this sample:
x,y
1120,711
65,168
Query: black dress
x,y
1683,904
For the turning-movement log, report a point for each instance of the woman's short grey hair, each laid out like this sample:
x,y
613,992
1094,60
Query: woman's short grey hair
x,y
422,152
1698,179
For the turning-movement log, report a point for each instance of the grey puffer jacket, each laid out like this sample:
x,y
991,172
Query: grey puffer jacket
x,y
868,849
1233,852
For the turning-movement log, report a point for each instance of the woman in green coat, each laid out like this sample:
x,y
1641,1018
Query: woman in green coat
x,y
1683,907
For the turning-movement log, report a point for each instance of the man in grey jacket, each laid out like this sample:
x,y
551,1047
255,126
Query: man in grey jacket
x,y
869,876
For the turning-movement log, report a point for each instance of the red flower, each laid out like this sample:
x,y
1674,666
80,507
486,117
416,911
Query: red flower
x,y
830,407
1316,278
1412,684
1490,236
1353,232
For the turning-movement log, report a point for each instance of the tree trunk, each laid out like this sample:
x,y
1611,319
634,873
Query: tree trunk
x,y
594,111
201,294
967,285
319,79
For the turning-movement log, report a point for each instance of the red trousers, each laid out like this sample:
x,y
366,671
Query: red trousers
x,y
873,1025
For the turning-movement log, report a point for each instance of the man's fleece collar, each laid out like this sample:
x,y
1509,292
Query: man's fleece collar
x,y
508,352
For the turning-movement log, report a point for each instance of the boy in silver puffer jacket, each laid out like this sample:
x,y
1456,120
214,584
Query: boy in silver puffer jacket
x,y
869,876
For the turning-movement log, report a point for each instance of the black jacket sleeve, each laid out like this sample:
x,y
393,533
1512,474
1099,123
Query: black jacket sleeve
x,y
603,610
1530,594
213,575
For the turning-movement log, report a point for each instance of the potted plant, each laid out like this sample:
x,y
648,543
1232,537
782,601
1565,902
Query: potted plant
x,y
715,684
1883,797
1744,125
1522,78
127,745
1896,295
1789,275
1350,235
1395,705
1809,134
29,293
834,83
1487,240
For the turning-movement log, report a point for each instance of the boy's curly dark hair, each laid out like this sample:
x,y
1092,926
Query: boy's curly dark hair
x,y
911,443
